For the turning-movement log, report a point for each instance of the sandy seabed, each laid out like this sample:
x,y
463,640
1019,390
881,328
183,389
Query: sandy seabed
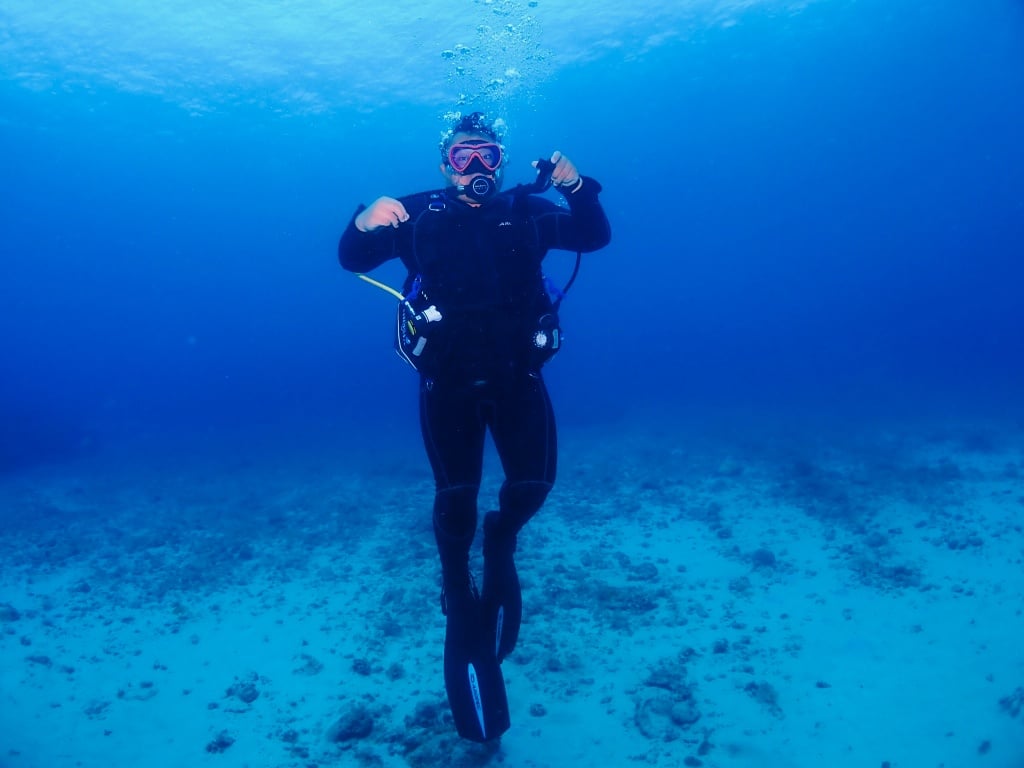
x,y
784,603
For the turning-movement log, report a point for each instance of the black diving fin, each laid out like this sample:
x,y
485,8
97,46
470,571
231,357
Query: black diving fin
x,y
502,601
472,674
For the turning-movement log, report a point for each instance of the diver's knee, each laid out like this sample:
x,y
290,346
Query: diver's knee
x,y
524,495
519,502
455,512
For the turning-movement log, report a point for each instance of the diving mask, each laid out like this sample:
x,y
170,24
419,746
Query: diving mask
x,y
468,157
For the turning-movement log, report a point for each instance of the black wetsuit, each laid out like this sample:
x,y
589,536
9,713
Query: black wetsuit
x,y
481,267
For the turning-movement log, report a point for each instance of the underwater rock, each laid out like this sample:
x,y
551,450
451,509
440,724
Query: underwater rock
x,y
765,694
145,691
741,586
763,559
643,572
220,742
429,723
355,724
663,717
453,752
628,600
684,712
427,715
666,705
956,540
310,666
670,675
876,539
96,710
876,573
650,715
9,613
244,690
1013,704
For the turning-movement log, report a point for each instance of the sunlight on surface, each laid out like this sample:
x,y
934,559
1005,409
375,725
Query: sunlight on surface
x,y
311,56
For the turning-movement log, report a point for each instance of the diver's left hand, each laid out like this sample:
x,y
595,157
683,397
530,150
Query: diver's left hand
x,y
565,173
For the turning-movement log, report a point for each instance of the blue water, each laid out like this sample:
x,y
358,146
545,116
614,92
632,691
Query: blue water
x,y
816,269
817,212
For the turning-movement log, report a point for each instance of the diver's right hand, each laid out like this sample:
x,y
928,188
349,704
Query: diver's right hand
x,y
383,212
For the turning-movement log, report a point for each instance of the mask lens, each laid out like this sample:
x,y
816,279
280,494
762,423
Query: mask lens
x,y
461,155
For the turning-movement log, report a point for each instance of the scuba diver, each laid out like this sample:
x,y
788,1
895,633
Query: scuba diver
x,y
478,319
